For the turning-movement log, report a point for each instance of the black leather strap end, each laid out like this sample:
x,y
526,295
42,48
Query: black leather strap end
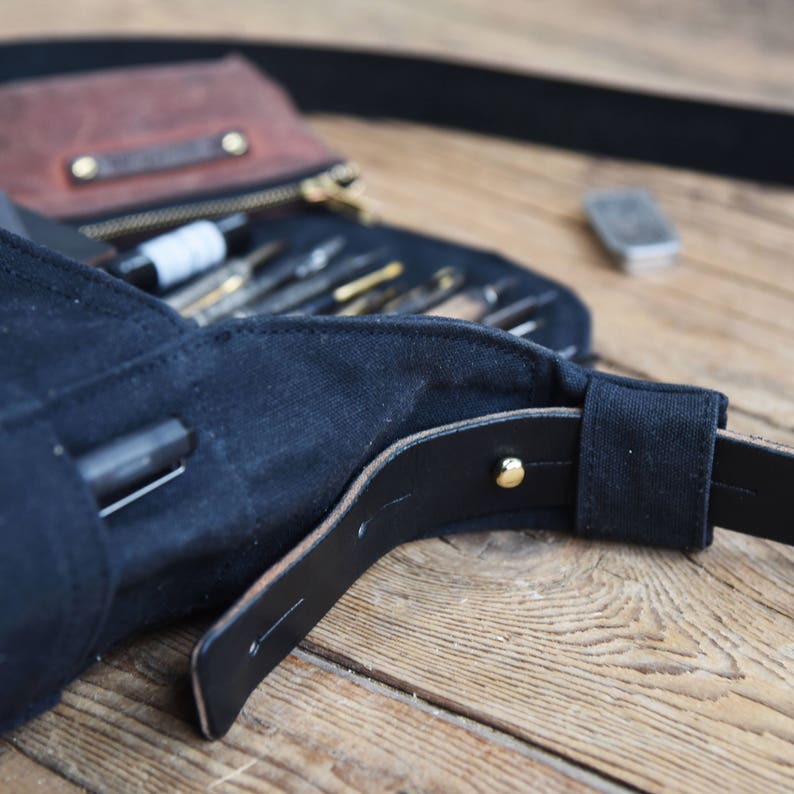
x,y
419,486
416,487
752,485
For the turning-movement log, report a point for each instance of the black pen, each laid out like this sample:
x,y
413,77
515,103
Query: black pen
x,y
514,313
296,268
331,301
474,303
294,295
440,285
229,277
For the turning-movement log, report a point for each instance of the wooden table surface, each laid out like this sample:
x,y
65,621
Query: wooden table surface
x,y
510,661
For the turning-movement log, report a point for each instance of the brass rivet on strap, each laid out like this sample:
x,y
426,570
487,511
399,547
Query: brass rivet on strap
x,y
234,143
509,472
84,168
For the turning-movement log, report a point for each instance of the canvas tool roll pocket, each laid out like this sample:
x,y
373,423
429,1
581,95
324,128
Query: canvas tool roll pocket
x,y
137,151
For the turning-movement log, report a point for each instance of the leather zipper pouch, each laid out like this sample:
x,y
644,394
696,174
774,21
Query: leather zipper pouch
x,y
139,150
101,143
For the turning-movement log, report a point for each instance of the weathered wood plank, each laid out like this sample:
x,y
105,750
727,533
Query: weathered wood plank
x,y
759,569
631,661
720,48
312,727
21,775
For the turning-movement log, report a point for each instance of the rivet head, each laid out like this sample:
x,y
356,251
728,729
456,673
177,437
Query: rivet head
x,y
84,168
509,472
234,143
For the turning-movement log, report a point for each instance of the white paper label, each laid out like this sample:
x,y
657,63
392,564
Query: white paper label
x,y
184,253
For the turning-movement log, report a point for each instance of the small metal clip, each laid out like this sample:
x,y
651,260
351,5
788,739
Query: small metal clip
x,y
125,469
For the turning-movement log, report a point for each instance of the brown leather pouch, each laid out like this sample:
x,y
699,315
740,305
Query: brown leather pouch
x,y
97,144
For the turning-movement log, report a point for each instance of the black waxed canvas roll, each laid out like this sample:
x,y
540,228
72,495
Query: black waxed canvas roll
x,y
286,411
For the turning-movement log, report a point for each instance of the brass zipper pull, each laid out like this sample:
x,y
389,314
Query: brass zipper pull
x,y
347,199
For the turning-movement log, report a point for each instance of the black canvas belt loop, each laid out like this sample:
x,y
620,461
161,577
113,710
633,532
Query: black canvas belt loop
x,y
645,459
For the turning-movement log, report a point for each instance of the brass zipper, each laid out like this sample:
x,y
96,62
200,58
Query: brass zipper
x,y
337,187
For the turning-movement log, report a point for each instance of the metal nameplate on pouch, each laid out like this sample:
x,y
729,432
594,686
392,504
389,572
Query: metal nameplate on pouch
x,y
98,167
632,228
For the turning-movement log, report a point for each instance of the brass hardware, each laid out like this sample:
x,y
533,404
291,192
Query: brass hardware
x,y
447,280
234,143
84,168
509,472
354,288
227,287
255,201
345,198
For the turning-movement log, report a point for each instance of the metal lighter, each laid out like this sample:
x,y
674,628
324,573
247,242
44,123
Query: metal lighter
x,y
632,228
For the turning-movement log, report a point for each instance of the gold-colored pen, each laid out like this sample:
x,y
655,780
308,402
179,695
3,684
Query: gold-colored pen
x,y
352,289
440,285
368,303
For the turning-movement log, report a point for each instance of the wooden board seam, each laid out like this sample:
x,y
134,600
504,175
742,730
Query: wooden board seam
x,y
340,664
691,557
8,746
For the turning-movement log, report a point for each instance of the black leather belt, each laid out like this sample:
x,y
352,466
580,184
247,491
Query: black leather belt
x,y
424,485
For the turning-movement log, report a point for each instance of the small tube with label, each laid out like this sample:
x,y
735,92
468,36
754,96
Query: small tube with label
x,y
163,262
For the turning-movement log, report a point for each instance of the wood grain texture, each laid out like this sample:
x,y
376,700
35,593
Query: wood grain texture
x,y
314,727
627,660
21,775
727,49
